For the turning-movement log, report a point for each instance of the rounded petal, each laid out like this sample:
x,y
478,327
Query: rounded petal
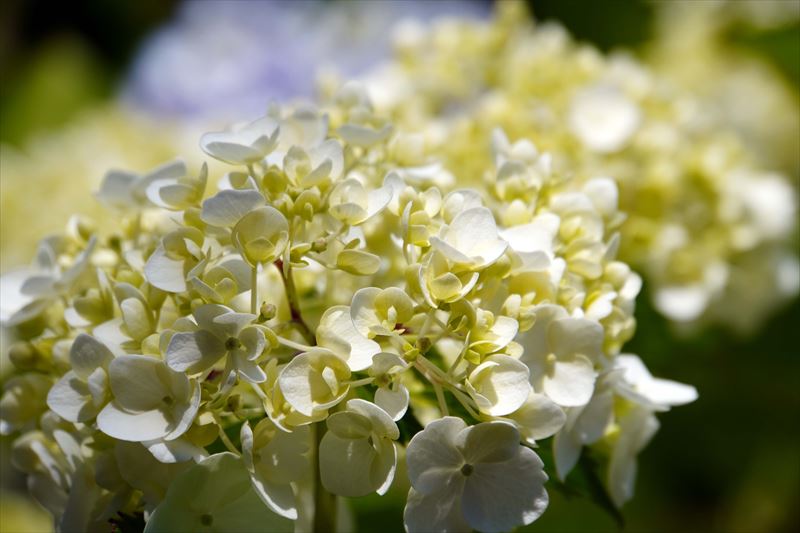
x,y
135,382
362,309
502,496
71,400
88,354
193,351
345,465
499,385
216,490
164,272
393,401
489,442
570,336
116,422
539,418
337,333
382,423
313,381
535,340
433,457
571,383
227,207
438,511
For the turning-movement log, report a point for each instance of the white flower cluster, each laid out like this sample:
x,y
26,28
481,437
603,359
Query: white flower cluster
x,y
710,226
215,362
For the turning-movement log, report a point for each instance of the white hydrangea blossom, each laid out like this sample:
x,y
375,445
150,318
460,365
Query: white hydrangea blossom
x,y
251,353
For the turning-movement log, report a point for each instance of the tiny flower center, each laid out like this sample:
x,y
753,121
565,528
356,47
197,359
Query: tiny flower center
x,y
551,359
206,519
232,343
467,469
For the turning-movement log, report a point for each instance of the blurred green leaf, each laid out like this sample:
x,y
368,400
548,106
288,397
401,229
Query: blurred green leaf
x,y
780,46
62,78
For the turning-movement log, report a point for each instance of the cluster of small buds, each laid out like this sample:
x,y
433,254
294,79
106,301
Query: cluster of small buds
x,y
709,229
242,357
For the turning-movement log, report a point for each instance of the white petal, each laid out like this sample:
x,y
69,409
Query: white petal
x,y
539,417
393,401
499,385
278,497
227,207
682,303
133,426
604,195
571,336
502,496
337,333
572,382
345,465
135,382
175,451
432,456
566,451
489,442
110,334
362,309
165,273
382,423
11,297
183,413
303,385
439,511
535,340
668,392
603,118
136,318
593,420
363,136
116,189
193,351
218,486
70,399
87,354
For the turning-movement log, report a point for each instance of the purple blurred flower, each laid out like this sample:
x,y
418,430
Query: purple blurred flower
x,y
228,59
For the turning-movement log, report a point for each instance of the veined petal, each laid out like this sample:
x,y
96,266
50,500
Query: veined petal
x,y
70,399
136,384
502,496
227,207
87,354
433,456
345,465
193,351
437,511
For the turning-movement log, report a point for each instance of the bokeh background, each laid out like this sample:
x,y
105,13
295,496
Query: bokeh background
x,y
80,93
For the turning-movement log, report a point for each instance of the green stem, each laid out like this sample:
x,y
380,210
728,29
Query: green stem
x,y
324,501
254,290
285,269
